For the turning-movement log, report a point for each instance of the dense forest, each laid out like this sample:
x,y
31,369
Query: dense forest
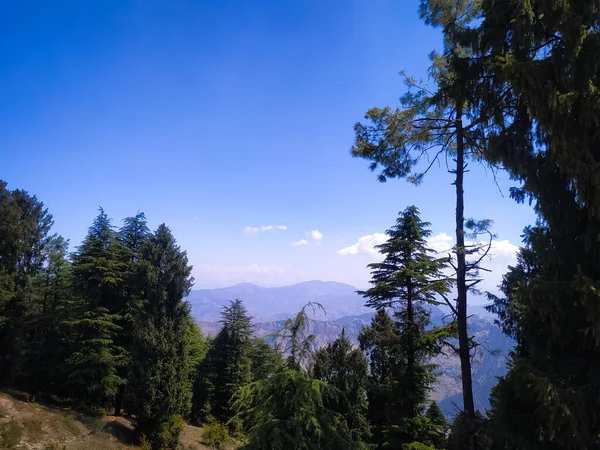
x,y
106,329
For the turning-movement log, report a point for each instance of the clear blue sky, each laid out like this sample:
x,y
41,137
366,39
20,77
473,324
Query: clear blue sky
x,y
214,116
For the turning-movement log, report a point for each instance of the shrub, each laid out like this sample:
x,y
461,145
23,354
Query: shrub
x,y
215,435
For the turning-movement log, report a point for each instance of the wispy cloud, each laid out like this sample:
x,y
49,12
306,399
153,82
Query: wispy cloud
x,y
254,230
316,235
300,243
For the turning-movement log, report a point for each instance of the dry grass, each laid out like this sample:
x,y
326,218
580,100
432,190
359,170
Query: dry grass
x,y
57,428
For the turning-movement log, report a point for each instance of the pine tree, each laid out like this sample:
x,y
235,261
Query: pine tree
x,y
538,61
228,366
294,340
345,368
409,280
265,360
160,380
379,342
98,279
438,426
24,235
133,235
434,123
51,305
289,411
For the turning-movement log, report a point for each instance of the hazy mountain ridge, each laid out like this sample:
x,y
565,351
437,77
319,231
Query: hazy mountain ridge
x,y
270,307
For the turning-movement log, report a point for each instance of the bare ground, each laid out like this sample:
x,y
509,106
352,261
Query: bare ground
x,y
33,426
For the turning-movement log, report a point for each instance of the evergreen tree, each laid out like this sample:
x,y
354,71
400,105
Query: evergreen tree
x,y
436,122
408,280
294,340
289,411
538,61
160,378
24,235
98,279
264,359
228,366
345,368
133,235
51,306
438,426
379,342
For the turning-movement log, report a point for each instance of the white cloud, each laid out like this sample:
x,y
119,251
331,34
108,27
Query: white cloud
x,y
365,245
254,230
316,235
441,243
300,243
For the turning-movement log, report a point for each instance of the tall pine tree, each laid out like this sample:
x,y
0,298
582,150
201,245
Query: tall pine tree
x,y
98,279
539,65
409,280
433,123
133,235
227,366
159,372
346,368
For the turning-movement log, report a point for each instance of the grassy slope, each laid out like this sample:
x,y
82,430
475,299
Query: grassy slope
x,y
36,426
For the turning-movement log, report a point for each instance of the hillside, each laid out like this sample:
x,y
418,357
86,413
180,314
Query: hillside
x,y
30,425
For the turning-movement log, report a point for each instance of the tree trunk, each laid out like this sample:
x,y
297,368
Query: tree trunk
x,y
461,282
119,401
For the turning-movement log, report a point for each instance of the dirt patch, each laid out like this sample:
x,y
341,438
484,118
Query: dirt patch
x,y
34,426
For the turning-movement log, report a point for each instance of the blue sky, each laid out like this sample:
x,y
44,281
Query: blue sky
x,y
214,116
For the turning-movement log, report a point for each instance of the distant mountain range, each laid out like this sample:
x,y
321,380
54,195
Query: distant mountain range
x,y
270,307
266,304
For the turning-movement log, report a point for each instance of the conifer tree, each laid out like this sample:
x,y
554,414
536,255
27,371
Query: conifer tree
x,y
538,61
265,360
289,411
228,366
24,234
379,342
438,426
98,279
160,378
408,280
294,340
133,235
345,368
51,305
434,123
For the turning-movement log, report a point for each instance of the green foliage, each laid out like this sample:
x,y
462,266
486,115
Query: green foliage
x,y
290,411
433,123
160,378
438,428
24,237
215,435
92,367
470,432
346,369
408,280
98,278
227,366
294,341
265,360
545,135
